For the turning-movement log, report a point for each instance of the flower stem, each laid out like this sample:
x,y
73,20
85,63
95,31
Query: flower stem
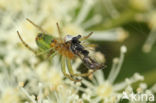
x,y
124,17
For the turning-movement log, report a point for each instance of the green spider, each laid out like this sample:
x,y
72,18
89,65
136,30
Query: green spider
x,y
68,48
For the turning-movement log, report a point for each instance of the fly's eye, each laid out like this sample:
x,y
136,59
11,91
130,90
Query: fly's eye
x,y
79,36
76,39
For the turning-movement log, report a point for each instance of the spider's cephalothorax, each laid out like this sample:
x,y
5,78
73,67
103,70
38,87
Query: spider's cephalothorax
x,y
68,49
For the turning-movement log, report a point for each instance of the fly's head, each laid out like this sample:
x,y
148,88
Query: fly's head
x,y
76,46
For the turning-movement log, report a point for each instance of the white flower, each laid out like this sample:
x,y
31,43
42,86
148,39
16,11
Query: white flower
x,y
46,13
154,88
63,94
50,74
105,89
20,65
10,95
142,95
141,5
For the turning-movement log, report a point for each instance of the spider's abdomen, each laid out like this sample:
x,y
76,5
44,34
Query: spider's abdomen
x,y
43,41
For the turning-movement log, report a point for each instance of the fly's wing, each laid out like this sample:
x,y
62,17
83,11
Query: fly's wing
x,y
78,49
89,62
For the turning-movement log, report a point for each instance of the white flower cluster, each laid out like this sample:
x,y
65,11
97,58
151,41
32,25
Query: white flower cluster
x,y
104,89
29,79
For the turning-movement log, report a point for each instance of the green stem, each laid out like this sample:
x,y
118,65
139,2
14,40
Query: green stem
x,y
124,17
150,77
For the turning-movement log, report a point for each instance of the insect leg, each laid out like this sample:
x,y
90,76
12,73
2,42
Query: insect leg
x,y
51,55
89,45
25,44
45,52
70,69
31,49
86,37
64,70
59,32
37,26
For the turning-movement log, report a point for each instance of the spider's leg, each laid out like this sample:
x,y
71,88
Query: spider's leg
x,y
51,55
31,49
86,37
48,51
37,26
64,70
59,32
26,45
71,70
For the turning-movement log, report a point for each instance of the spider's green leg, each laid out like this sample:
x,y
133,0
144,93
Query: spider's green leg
x,y
51,55
25,44
30,48
64,70
59,32
43,52
70,69
37,26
